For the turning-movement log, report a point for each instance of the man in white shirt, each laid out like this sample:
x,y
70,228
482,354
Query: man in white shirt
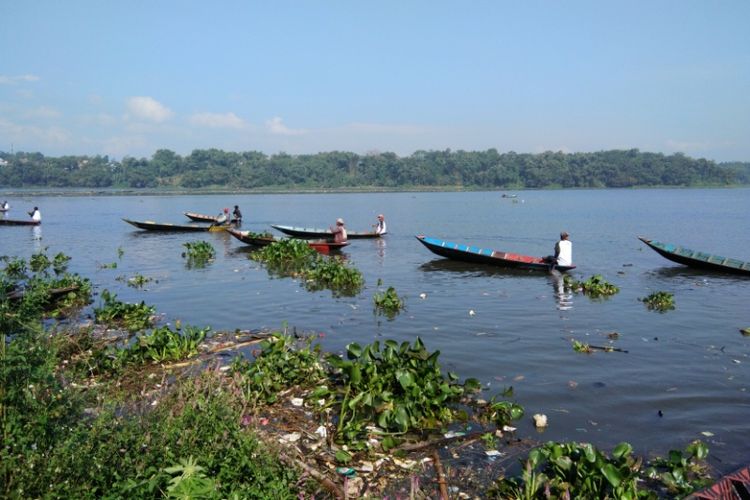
x,y
36,215
564,251
380,227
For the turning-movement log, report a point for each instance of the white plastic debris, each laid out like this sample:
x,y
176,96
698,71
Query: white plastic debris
x,y
707,433
540,420
297,401
290,438
322,431
492,453
422,295
471,312
508,428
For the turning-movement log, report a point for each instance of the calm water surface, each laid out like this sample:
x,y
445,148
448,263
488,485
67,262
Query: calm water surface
x,y
690,363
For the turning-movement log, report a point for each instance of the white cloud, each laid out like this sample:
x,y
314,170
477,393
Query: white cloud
x,y
12,80
217,120
276,126
148,108
44,112
29,134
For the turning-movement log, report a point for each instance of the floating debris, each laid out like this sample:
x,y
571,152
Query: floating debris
x,y
540,420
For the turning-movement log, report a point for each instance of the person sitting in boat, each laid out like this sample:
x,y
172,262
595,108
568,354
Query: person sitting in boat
x,y
237,215
5,206
36,215
339,232
563,252
223,217
380,227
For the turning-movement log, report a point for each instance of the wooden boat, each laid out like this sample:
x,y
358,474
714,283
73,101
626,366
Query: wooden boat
x,y
467,253
734,485
200,217
165,226
16,222
700,260
251,238
305,232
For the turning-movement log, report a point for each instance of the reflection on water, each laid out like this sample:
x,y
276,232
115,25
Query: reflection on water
x,y
37,237
563,294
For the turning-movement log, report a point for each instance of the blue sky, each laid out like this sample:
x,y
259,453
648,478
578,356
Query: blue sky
x,y
128,78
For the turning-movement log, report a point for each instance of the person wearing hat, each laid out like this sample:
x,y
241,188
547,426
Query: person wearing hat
x,y
339,232
36,215
380,227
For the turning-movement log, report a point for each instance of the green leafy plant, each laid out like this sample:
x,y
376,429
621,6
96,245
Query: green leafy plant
x,y
115,313
388,303
295,258
198,253
579,470
659,301
189,481
164,345
399,387
281,363
595,287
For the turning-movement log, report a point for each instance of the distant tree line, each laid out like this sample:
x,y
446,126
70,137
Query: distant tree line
x,y
213,168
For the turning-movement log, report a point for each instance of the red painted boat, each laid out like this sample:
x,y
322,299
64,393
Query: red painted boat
x,y
458,251
734,485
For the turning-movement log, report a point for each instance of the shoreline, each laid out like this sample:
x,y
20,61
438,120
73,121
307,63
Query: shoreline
x,y
72,192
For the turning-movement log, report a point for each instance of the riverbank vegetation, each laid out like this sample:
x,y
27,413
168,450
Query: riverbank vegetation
x,y
139,410
253,170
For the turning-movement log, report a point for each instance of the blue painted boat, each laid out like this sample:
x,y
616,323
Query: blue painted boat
x,y
466,253
700,260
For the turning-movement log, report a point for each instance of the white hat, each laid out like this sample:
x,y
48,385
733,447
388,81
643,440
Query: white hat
x,y
340,221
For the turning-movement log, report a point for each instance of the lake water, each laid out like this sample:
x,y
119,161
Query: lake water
x,y
692,364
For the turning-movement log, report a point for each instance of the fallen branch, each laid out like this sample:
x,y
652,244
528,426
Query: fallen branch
x,y
324,481
439,442
440,475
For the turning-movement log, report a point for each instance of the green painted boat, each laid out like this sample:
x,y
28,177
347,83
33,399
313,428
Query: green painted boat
x,y
699,260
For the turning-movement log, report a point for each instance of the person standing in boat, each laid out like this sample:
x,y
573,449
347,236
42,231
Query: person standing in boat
x,y
5,206
237,215
563,252
36,215
339,232
380,227
223,217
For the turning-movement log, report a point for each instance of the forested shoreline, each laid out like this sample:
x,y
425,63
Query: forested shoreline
x,y
253,170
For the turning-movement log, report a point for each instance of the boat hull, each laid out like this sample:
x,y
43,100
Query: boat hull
x,y
16,222
698,260
164,226
309,233
200,217
465,253
245,237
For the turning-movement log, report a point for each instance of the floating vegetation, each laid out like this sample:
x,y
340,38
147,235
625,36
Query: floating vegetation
x,y
111,265
388,303
291,257
118,314
579,470
659,301
595,287
138,281
198,253
588,348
